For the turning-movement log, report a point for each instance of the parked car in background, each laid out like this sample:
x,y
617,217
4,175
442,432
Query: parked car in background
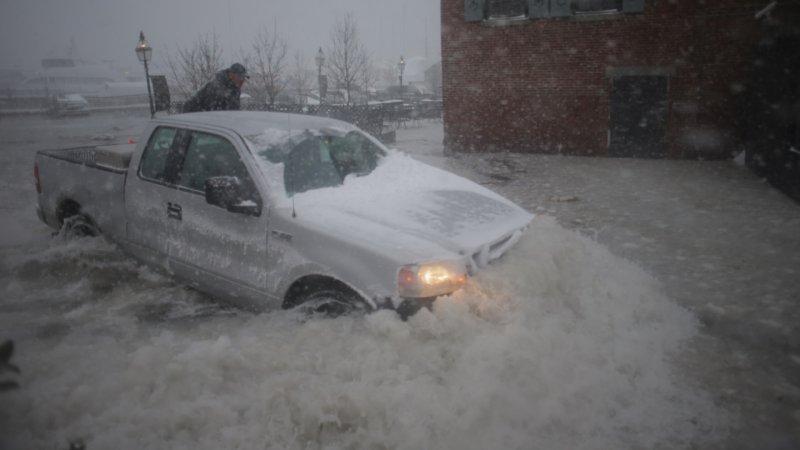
x,y
68,104
281,210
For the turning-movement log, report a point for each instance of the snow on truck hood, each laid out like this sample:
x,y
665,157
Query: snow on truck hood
x,y
412,208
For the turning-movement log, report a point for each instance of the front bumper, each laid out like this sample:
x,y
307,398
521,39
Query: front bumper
x,y
408,307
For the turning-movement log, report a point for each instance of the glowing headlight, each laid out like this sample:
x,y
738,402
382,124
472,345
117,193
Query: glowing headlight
x,y
429,280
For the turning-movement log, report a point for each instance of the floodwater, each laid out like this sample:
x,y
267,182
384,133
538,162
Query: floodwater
x,y
561,344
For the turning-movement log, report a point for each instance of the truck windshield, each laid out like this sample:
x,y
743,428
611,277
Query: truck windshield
x,y
314,161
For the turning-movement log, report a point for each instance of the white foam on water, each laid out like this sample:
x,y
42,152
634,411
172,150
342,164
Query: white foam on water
x,y
559,345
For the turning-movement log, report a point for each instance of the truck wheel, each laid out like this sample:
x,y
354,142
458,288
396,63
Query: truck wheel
x,y
76,227
328,302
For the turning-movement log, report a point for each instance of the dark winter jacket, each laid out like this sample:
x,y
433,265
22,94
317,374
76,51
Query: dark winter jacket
x,y
218,94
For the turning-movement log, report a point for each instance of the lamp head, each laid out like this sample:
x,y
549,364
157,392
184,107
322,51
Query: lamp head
x,y
143,49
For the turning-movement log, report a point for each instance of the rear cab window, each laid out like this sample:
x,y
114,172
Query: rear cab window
x,y
154,159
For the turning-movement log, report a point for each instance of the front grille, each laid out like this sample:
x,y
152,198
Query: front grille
x,y
484,255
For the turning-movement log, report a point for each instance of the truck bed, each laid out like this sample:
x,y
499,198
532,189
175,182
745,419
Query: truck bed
x,y
92,177
115,157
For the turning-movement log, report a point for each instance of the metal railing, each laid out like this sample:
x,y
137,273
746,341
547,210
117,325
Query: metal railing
x,y
379,120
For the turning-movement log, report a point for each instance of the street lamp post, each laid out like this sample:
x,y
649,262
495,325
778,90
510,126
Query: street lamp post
x,y
320,60
401,66
144,52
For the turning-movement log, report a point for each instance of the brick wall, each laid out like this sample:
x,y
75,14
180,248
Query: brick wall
x,y
543,85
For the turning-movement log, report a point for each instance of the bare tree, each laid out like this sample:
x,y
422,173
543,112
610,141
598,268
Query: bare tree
x,y
300,77
348,59
368,78
194,66
267,66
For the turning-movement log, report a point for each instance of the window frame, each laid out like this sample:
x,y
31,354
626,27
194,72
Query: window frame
x,y
598,9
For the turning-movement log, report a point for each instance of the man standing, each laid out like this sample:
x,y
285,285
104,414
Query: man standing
x,y
221,93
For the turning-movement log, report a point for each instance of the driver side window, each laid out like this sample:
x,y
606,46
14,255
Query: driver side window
x,y
207,156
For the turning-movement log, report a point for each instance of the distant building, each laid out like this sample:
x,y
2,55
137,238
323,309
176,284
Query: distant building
x,y
68,76
642,78
9,78
433,77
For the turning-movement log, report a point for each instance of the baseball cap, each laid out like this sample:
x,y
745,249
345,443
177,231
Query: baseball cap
x,y
239,70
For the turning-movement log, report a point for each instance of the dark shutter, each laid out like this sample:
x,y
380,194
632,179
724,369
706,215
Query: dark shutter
x,y
160,92
632,6
538,9
560,8
473,10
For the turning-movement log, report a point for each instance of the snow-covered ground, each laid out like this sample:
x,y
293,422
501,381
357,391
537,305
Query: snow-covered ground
x,y
569,342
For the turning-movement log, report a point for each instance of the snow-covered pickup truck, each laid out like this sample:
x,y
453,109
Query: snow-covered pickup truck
x,y
268,210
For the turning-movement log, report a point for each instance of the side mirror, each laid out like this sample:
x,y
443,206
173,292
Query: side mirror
x,y
228,192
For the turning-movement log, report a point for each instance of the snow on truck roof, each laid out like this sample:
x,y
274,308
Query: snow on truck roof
x,y
247,123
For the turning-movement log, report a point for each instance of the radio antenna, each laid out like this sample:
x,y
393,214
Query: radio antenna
x,y
289,125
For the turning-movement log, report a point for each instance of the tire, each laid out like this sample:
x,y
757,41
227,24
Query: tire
x,y
329,302
77,227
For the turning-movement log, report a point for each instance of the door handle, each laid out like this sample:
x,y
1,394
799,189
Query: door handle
x,y
174,211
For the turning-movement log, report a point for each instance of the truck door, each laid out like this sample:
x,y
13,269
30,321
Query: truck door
x,y
221,251
147,209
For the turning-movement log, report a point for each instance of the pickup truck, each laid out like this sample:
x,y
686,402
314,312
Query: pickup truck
x,y
269,210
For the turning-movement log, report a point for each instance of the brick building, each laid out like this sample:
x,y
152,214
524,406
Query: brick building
x,y
643,78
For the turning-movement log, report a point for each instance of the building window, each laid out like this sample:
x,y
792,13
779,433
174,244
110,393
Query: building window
x,y
479,10
507,8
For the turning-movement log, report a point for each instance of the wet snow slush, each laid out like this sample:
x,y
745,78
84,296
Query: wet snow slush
x,y
560,344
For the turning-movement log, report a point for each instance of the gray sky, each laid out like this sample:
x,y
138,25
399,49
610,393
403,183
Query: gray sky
x,y
109,29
